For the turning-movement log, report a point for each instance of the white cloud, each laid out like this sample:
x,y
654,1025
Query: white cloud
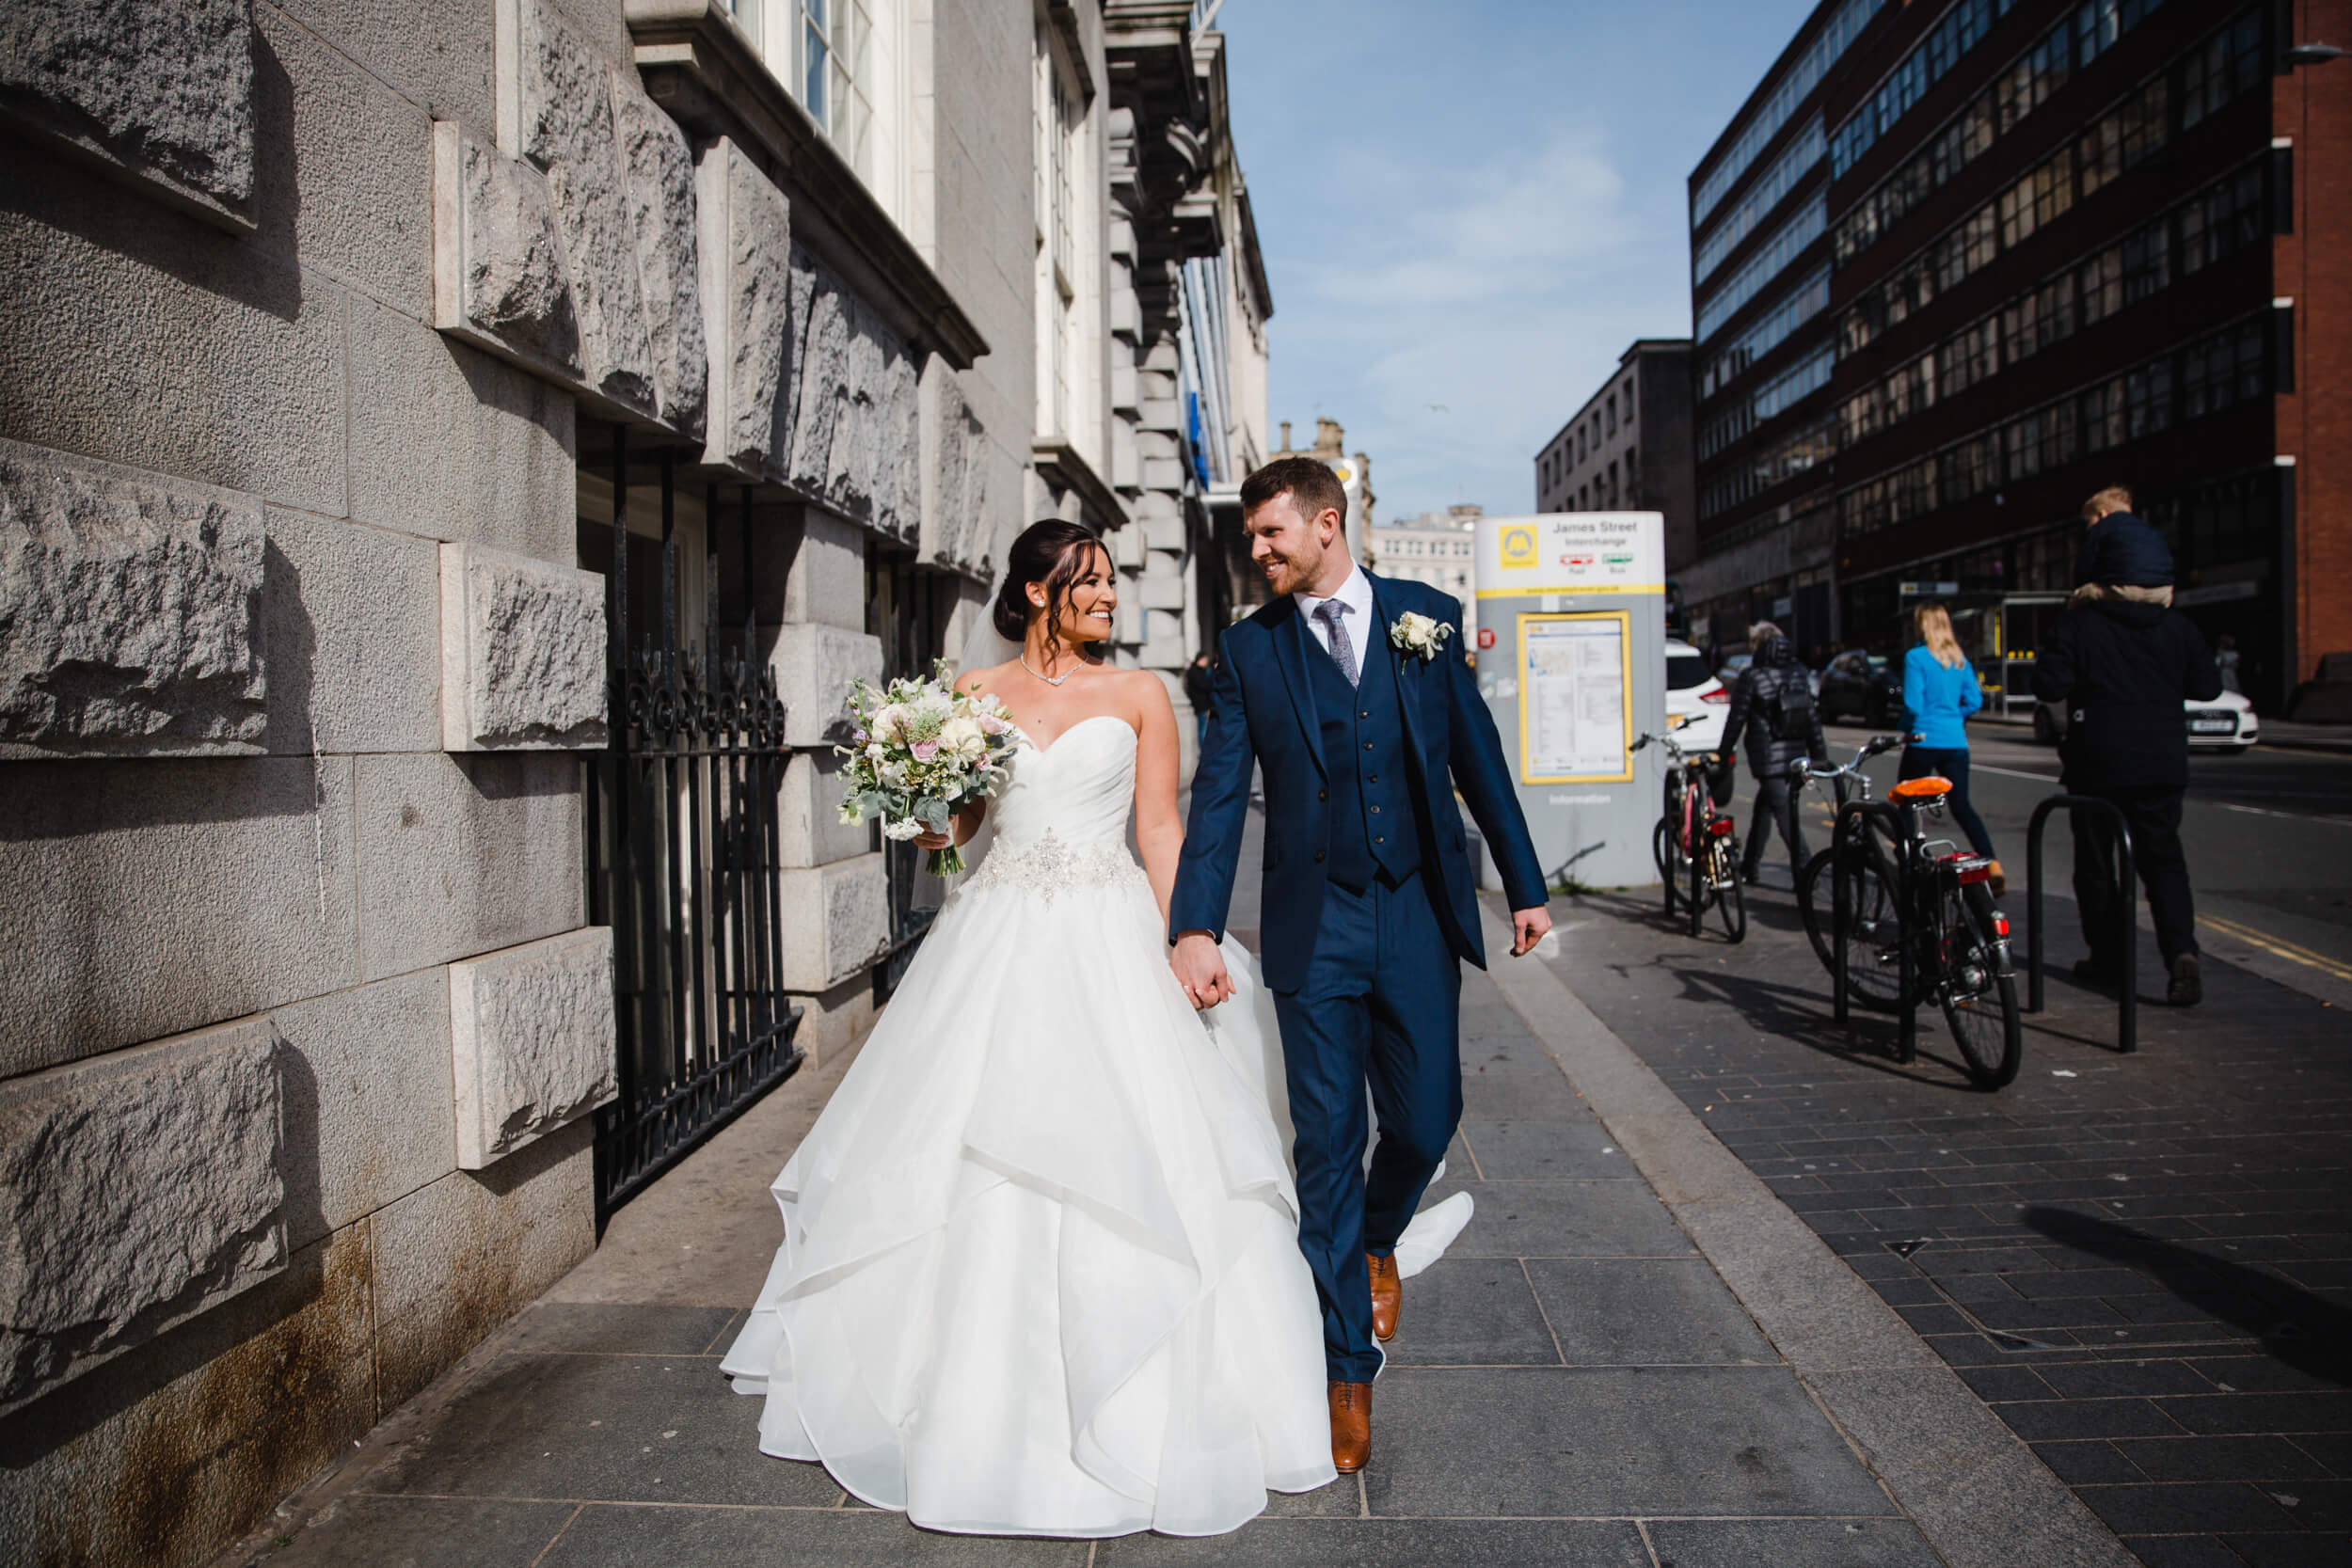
x,y
1499,294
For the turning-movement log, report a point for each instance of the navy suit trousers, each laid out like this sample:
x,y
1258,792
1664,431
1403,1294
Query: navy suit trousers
x,y
1379,1005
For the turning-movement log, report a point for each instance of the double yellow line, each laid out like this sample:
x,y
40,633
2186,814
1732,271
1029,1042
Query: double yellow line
x,y
2279,946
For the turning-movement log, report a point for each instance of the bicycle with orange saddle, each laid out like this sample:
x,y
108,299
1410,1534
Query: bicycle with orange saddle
x,y
1936,896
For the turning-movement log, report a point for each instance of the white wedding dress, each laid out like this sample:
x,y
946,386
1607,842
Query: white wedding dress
x,y
1040,1272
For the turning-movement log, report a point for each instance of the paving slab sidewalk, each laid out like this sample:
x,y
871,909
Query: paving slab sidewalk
x,y
1626,1359
1574,1384
2142,1263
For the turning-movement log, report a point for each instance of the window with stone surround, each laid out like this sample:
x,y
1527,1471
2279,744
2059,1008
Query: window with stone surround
x,y
1062,204
847,62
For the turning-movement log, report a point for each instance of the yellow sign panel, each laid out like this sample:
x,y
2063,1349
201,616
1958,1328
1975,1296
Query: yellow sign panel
x,y
1576,698
1519,547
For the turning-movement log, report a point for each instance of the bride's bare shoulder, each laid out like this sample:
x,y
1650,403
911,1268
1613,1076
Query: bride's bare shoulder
x,y
978,681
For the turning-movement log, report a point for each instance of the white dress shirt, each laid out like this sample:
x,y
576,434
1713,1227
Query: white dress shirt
x,y
1356,612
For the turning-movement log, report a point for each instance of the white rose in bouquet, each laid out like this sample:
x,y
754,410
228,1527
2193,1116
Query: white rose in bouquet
x,y
920,751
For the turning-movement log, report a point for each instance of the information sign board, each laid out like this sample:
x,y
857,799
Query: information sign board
x,y
1576,708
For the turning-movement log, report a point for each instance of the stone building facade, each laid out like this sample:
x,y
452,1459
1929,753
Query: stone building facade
x,y
1440,549
421,426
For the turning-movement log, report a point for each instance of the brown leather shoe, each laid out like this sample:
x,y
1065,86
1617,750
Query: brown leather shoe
x,y
1388,1295
1351,1426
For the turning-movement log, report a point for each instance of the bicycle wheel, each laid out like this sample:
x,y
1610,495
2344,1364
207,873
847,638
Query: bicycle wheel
x,y
1662,847
1873,975
1980,1002
1731,904
1698,860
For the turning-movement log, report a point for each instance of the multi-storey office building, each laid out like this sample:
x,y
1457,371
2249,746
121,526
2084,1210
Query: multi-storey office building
x,y
1629,448
1763,348
2060,247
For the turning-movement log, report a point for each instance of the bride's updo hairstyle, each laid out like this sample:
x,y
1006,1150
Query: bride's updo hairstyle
x,y
1052,553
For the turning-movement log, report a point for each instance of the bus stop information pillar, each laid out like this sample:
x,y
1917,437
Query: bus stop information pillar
x,y
1572,662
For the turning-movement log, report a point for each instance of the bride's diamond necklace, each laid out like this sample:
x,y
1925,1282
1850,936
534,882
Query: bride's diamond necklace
x,y
1050,680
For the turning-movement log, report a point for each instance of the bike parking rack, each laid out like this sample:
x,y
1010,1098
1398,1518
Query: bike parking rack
x,y
1851,816
2127,1004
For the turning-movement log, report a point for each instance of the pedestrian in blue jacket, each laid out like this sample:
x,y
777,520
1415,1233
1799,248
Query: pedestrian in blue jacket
x,y
1940,692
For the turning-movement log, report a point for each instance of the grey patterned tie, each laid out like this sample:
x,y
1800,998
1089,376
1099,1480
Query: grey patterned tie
x,y
1333,615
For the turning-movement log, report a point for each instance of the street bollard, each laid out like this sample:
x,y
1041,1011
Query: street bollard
x,y
2127,1005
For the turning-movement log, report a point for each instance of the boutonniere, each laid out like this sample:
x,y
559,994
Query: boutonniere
x,y
1419,635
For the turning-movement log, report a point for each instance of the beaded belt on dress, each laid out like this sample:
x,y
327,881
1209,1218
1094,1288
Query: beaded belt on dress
x,y
1047,866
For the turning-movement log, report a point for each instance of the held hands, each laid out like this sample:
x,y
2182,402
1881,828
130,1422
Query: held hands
x,y
1528,928
1201,970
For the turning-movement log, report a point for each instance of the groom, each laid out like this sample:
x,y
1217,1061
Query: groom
x,y
1368,895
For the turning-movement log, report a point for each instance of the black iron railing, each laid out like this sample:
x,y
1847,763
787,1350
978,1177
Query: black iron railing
x,y
685,853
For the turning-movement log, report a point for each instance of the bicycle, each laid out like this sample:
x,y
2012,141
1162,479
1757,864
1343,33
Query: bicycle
x,y
1870,898
1937,895
1697,845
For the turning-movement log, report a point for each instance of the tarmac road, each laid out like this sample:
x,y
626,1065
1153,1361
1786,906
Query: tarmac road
x,y
2269,838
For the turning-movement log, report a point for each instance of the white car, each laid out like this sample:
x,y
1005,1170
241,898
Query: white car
x,y
2227,723
1693,692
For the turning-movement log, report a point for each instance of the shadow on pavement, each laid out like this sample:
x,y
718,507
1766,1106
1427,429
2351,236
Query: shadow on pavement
x,y
2307,1332
1803,1016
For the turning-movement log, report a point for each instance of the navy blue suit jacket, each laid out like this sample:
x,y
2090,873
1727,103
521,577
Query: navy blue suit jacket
x,y
1266,715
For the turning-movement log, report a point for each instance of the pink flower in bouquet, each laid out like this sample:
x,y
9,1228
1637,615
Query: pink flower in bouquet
x,y
925,750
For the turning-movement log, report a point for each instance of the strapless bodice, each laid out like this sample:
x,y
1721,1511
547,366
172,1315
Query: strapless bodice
x,y
1079,790
1061,818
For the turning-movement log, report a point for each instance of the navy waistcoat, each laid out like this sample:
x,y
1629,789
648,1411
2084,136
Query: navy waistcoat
x,y
1363,743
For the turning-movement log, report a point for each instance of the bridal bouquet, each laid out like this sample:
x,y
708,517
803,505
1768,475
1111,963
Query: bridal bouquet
x,y
920,750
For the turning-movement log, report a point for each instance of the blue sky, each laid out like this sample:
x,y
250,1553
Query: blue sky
x,y
1476,205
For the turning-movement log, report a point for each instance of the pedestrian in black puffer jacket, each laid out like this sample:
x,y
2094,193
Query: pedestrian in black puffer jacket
x,y
2123,668
1772,707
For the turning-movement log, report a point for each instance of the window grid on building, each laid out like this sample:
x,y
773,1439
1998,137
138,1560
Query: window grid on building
x,y
1793,89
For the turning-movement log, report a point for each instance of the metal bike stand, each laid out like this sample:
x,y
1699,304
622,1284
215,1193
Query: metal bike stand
x,y
2127,1005
1851,817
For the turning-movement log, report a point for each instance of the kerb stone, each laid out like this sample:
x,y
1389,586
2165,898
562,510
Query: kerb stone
x,y
130,611
160,95
533,1041
522,653
135,1190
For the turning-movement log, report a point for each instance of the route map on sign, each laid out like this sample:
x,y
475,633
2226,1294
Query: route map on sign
x,y
1575,704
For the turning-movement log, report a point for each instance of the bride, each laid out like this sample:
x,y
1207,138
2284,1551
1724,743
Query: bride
x,y
1040,1272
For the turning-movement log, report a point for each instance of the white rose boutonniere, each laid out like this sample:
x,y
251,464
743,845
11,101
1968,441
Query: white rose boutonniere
x,y
1419,635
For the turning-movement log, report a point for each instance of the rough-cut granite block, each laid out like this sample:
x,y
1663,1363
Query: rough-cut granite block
x,y
820,369
522,653
814,666
898,493
662,209
835,920
956,526
532,1042
745,249
135,1190
161,95
569,130
499,278
130,611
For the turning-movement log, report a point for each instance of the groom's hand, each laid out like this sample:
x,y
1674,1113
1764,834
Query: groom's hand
x,y
1200,969
1528,928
